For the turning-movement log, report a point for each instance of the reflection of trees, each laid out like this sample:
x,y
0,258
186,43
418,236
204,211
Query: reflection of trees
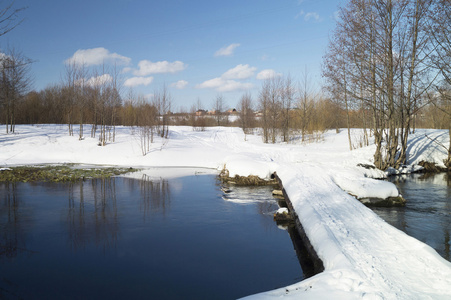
x,y
75,218
12,235
155,195
440,213
92,212
93,218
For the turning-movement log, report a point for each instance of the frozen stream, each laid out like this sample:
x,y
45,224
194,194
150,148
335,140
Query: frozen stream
x,y
177,238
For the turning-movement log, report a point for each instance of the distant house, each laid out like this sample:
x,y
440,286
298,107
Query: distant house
x,y
201,112
232,111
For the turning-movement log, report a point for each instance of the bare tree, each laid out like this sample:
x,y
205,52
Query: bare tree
x,y
305,103
264,109
219,109
105,90
9,18
246,113
381,54
441,33
148,119
334,70
162,100
69,92
287,95
15,81
75,82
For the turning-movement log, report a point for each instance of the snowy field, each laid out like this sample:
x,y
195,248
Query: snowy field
x,y
363,256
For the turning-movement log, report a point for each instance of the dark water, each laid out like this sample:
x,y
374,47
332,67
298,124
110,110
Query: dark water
x,y
427,214
127,238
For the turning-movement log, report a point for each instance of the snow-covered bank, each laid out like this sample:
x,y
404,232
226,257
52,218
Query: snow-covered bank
x,y
364,257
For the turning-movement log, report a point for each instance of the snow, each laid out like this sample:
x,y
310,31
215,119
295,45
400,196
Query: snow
x,y
364,257
282,210
364,187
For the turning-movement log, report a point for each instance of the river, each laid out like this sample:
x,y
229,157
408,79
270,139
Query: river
x,y
175,238
427,214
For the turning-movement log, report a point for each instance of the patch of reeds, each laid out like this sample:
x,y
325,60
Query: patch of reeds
x,y
58,173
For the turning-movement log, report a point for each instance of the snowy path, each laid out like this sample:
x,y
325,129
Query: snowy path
x,y
363,256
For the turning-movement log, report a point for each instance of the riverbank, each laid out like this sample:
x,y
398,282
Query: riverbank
x,y
362,255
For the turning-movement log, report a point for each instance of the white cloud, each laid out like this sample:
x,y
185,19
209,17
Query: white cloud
x,y
97,56
147,67
181,84
227,51
224,85
267,74
239,72
135,81
99,80
312,15
127,69
211,84
309,16
232,85
226,82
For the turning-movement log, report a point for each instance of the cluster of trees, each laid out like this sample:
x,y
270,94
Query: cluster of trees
x,y
14,83
441,60
286,108
96,99
388,59
14,69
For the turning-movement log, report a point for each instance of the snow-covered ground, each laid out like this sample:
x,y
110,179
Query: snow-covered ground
x,y
364,257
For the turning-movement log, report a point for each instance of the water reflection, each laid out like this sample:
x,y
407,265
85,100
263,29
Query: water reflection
x,y
92,214
155,195
258,198
151,238
427,215
13,219
266,205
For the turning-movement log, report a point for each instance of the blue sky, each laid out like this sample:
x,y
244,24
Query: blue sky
x,y
198,49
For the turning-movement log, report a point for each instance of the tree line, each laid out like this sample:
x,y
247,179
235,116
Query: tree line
x,y
386,69
91,103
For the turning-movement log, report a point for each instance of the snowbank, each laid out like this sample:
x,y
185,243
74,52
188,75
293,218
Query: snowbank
x,y
364,257
366,187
